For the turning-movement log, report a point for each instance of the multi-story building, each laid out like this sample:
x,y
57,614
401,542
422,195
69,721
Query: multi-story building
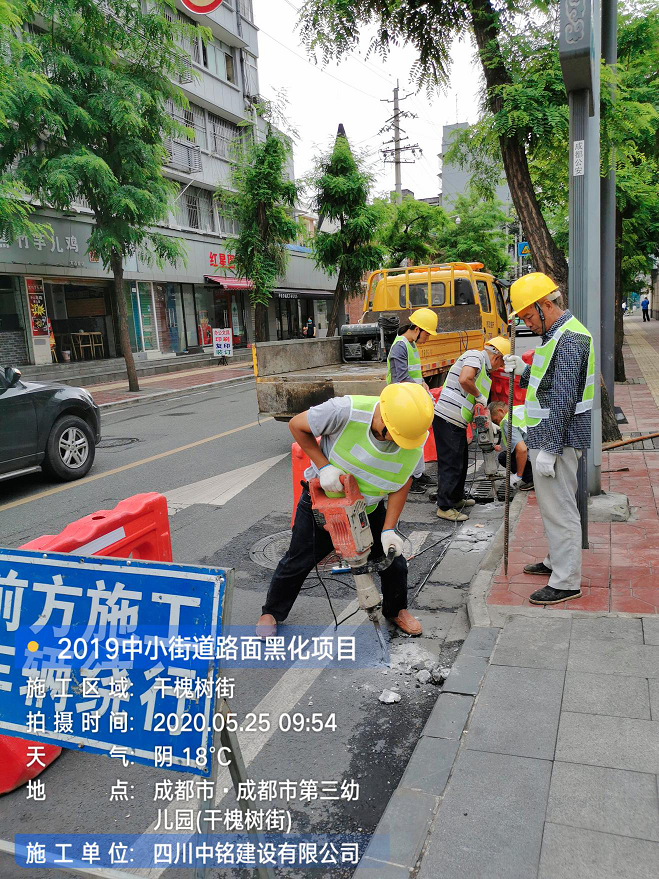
x,y
171,310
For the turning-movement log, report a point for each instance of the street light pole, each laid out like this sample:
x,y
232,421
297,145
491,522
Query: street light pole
x,y
608,224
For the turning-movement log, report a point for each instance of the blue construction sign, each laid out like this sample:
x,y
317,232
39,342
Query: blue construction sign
x,y
112,656
523,248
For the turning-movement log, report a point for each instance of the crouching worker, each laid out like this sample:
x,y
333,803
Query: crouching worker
x,y
521,474
379,441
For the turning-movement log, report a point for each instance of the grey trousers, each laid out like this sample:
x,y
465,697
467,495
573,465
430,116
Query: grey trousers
x,y
560,516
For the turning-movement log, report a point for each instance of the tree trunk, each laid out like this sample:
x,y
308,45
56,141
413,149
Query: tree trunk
x,y
619,363
261,322
338,305
546,255
116,264
610,429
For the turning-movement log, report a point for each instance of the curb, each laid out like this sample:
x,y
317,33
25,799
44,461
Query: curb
x,y
174,392
402,832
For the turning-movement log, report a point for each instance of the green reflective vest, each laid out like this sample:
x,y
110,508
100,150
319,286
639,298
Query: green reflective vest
x,y
542,356
519,421
378,473
483,383
413,360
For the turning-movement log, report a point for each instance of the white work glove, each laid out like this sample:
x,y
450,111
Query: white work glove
x,y
482,399
514,479
391,539
513,363
330,478
544,464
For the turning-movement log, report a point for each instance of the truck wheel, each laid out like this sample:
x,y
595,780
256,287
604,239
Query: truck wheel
x,y
70,448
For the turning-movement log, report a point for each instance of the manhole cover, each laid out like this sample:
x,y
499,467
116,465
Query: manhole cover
x,y
481,491
113,442
268,551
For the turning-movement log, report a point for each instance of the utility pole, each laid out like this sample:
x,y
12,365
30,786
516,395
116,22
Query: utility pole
x,y
395,154
608,220
397,169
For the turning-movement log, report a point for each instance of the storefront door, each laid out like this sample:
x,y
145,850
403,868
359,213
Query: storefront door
x,y
190,314
288,319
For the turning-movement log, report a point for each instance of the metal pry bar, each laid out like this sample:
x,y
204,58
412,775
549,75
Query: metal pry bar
x,y
509,441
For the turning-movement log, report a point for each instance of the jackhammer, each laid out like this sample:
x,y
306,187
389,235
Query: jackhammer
x,y
345,519
486,442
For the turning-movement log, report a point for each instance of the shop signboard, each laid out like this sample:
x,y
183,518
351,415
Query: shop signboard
x,y
222,342
37,303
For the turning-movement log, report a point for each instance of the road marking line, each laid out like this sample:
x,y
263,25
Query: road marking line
x,y
77,483
218,490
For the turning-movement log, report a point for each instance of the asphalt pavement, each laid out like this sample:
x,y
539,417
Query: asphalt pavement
x,y
210,445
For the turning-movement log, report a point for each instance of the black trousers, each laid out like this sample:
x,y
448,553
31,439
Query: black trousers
x,y
309,545
646,314
527,476
452,462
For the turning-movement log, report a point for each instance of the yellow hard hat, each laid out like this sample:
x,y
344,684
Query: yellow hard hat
x,y
501,343
426,319
529,289
407,411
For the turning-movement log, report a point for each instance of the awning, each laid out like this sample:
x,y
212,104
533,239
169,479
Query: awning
x,y
230,283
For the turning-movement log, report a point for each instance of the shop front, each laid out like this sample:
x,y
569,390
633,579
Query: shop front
x,y
293,308
81,317
221,303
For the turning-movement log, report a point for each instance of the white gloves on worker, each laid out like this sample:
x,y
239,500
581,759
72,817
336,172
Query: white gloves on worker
x,y
391,539
330,478
513,363
514,479
482,400
544,464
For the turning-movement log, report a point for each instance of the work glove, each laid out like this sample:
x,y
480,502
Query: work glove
x,y
544,464
330,478
482,400
392,540
513,363
514,479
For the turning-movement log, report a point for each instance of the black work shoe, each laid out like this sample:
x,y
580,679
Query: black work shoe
x,y
432,497
424,479
417,487
539,568
548,595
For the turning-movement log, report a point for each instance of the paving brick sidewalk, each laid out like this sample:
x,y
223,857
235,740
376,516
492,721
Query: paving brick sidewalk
x,y
117,392
621,567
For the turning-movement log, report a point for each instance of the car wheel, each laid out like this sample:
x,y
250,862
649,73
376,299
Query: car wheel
x,y
70,448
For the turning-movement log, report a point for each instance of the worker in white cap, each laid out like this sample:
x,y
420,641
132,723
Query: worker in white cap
x,y
559,397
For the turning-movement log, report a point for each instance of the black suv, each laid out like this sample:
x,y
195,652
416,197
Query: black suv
x,y
47,425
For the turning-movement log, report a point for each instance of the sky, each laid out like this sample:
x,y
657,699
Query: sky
x,y
354,91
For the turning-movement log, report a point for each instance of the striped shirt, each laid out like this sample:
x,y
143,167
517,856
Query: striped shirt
x,y
449,407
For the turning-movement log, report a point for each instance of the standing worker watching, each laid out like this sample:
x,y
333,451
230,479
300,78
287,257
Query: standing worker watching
x,y
467,383
404,365
521,474
379,441
559,399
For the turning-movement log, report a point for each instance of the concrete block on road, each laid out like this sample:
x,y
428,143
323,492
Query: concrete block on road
x,y
614,658
517,712
610,506
606,694
459,631
491,818
570,851
466,675
403,828
481,641
430,765
449,716
533,643
436,597
617,742
607,629
607,800
651,630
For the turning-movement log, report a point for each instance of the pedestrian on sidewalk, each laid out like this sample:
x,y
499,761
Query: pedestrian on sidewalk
x,y
521,474
379,441
404,365
310,328
468,382
645,308
559,398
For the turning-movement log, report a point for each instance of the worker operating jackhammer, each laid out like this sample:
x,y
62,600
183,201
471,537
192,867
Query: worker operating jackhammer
x,y
404,365
559,397
379,441
521,473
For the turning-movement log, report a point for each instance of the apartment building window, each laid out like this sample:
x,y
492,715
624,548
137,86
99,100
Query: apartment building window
x,y
194,117
220,60
252,75
222,134
246,10
228,223
194,210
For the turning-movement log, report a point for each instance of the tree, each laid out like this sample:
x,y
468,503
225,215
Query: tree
x,y
408,230
99,132
342,191
478,236
333,28
261,202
